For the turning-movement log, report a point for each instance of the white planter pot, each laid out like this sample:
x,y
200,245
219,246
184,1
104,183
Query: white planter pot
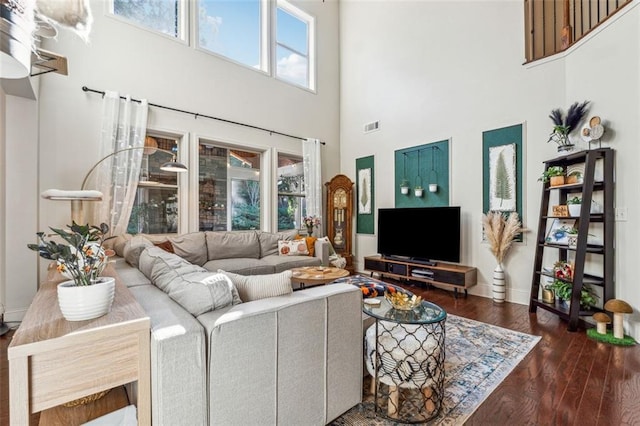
x,y
79,303
574,209
433,187
404,190
418,192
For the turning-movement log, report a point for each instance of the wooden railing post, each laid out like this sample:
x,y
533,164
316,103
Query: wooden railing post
x,y
565,34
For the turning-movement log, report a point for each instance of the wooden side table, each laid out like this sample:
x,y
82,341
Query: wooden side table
x,y
53,361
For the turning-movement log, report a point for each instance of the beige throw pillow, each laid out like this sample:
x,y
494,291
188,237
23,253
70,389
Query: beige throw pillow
x,y
255,287
293,248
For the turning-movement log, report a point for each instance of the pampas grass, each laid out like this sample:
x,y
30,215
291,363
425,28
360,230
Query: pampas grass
x,y
501,232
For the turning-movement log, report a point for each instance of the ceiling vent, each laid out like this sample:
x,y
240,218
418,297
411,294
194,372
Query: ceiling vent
x,y
372,127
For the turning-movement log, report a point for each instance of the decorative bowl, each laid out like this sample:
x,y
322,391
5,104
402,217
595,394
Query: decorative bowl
x,y
403,301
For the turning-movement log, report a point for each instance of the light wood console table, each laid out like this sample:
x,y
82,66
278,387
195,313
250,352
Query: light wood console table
x,y
53,361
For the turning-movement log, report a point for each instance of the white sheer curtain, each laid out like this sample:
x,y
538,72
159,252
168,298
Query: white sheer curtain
x,y
311,158
124,125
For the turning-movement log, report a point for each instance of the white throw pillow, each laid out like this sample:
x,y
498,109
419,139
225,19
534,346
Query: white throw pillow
x,y
293,248
133,248
255,287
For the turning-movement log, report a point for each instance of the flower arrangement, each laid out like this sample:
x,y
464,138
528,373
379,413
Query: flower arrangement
x,y
501,232
84,258
562,126
311,221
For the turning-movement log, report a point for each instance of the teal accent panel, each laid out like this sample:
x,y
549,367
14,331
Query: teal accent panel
x,y
499,137
365,221
423,165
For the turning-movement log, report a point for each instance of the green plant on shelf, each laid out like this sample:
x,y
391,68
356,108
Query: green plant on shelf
x,y
574,200
551,172
563,290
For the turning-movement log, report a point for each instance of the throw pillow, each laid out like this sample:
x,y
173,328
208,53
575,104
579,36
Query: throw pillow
x,y
292,248
311,243
133,248
332,251
255,287
166,246
192,247
191,286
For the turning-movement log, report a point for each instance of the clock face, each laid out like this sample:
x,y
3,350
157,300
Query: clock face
x,y
340,199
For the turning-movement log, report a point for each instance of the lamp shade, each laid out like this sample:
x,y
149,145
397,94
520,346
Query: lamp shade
x,y
16,28
173,166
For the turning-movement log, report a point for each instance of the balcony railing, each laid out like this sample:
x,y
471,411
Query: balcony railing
x,y
551,26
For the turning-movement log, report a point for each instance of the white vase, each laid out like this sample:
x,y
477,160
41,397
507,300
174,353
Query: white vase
x,y
499,287
79,303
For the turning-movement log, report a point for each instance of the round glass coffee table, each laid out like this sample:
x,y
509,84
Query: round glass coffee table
x,y
404,353
309,276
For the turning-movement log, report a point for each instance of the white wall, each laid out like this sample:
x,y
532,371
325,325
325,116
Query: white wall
x,y
433,70
19,205
131,60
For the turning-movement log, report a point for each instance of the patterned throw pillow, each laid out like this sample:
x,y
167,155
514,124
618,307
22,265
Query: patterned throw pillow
x,y
311,243
293,248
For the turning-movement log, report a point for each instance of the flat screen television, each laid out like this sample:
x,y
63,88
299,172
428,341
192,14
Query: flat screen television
x,y
422,234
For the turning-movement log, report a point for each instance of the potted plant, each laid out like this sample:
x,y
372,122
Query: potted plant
x,y
574,177
500,232
417,191
310,222
562,290
563,126
404,187
82,259
554,175
574,205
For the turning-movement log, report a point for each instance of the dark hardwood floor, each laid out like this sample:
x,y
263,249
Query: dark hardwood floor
x,y
567,379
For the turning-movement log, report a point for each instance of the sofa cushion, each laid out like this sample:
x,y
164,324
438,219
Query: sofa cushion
x,y
283,263
133,248
269,241
192,247
241,265
228,245
293,248
193,287
255,287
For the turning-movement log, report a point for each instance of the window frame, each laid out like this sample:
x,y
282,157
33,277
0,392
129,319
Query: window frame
x,y
300,14
301,196
184,21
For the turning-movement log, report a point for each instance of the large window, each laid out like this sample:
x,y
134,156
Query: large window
x,y
291,200
164,16
155,209
229,188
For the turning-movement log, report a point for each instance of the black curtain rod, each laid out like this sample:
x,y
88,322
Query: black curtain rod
x,y
196,115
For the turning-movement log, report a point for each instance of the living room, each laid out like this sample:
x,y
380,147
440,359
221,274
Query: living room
x,y
427,71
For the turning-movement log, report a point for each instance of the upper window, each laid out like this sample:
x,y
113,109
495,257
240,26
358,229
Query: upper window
x,y
232,29
164,16
293,45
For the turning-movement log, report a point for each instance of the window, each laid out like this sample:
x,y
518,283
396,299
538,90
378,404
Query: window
x,y
164,16
291,200
229,188
232,29
241,29
155,209
293,45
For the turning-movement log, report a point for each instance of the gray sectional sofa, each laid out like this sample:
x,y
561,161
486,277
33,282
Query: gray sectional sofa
x,y
293,359
242,252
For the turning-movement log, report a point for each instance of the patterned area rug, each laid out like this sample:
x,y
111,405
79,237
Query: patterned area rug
x,y
478,357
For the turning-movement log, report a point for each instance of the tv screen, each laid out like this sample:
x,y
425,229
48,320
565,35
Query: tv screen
x,y
421,234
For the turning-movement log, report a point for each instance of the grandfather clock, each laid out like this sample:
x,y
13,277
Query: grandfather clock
x,y
339,216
